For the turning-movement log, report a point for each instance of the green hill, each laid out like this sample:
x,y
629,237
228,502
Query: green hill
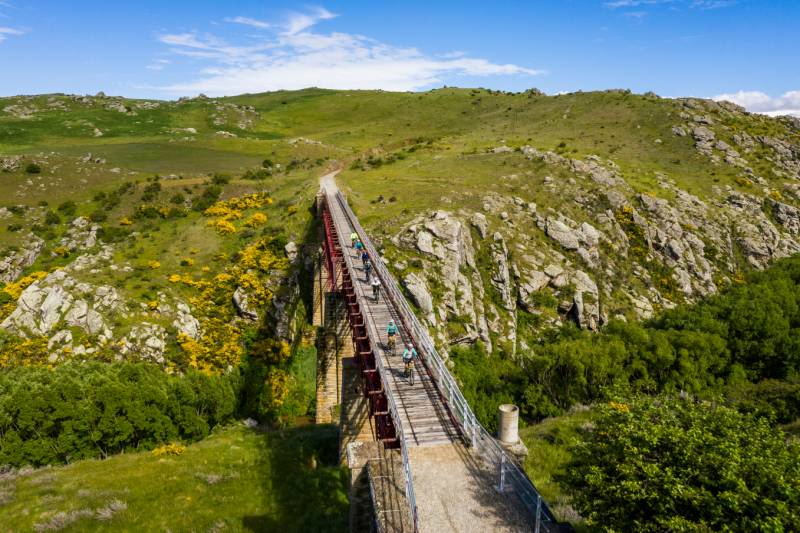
x,y
526,229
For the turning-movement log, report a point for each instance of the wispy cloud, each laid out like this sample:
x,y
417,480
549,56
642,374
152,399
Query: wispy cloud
x,y
291,55
5,32
301,21
696,4
247,21
759,102
158,64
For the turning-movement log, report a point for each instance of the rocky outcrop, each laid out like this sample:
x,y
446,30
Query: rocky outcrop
x,y
13,264
241,300
10,163
145,342
60,298
185,322
420,296
81,235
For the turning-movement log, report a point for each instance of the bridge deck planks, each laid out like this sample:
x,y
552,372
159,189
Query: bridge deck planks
x,y
423,417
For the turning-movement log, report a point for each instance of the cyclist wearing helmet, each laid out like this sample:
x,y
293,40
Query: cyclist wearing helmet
x,y
409,354
391,335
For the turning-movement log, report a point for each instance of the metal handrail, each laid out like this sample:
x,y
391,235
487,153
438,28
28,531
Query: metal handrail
x,y
475,435
394,412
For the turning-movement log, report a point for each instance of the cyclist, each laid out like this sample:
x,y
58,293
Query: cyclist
x,y
391,335
376,287
409,354
368,270
353,239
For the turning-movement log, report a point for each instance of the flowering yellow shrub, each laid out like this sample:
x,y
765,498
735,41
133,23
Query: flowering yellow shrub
x,y
621,407
187,261
24,352
153,305
14,290
174,278
292,209
125,221
258,255
216,350
278,383
258,219
153,264
174,448
222,226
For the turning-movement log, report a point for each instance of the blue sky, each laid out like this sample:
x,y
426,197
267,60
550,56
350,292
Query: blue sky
x,y
744,49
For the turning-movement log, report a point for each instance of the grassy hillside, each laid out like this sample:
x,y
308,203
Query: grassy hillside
x,y
238,479
179,233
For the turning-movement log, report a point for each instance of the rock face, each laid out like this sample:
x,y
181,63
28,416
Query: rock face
x,y
146,342
241,300
58,298
420,296
186,323
81,235
13,264
575,258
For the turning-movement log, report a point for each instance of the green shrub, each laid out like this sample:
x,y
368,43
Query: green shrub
x,y
210,195
33,168
98,216
78,411
68,208
220,179
676,465
52,218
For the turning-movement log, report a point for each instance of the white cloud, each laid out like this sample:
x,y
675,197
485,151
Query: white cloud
x,y
758,102
293,56
5,31
301,21
247,21
697,4
158,64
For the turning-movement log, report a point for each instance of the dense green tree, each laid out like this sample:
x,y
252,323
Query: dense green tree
x,y
668,464
76,411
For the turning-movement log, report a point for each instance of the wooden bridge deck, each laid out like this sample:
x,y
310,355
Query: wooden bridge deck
x,y
424,418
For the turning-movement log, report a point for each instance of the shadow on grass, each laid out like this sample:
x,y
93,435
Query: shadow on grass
x,y
306,489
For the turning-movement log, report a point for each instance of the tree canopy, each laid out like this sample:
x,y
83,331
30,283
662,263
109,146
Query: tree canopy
x,y
669,464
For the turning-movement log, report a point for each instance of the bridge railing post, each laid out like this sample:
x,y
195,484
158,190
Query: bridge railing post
x,y
538,514
501,486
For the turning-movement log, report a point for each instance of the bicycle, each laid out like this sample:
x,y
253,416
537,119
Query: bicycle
x,y
409,372
390,344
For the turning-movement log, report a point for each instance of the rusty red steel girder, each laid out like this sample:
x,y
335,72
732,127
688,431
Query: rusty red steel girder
x,y
362,344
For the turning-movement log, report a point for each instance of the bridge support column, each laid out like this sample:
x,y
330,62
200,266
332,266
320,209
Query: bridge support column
x,y
320,287
331,349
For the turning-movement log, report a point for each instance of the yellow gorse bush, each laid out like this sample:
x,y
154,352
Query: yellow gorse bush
x,y
174,448
14,290
621,407
258,219
223,226
225,211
